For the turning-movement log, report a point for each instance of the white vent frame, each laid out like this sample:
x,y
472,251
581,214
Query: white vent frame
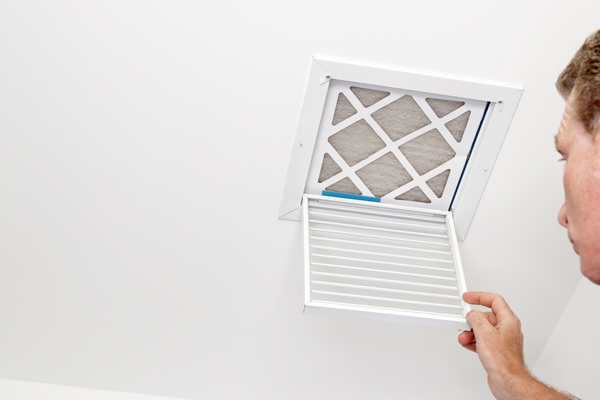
x,y
503,101
382,262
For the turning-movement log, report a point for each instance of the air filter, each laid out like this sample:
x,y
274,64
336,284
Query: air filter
x,y
398,146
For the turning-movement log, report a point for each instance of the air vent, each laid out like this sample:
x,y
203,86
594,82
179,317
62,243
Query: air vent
x,y
397,137
382,262
386,172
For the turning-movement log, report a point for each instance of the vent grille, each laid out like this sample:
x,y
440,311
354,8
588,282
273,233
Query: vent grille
x,y
382,262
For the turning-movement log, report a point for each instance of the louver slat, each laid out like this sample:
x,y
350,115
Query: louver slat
x,y
382,262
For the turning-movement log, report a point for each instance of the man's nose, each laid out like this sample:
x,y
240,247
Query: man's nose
x,y
562,216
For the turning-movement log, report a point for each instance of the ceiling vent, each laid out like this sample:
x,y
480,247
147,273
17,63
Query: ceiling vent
x,y
387,170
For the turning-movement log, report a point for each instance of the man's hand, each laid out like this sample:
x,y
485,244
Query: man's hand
x,y
497,339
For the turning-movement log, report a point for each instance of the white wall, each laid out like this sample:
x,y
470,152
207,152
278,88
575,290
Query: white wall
x,y
19,390
143,149
571,358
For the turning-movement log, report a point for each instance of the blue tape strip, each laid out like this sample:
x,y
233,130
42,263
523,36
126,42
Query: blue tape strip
x,y
351,196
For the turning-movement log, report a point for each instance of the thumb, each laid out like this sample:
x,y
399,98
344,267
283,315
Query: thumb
x,y
478,321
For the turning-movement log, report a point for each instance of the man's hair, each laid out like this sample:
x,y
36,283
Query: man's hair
x,y
582,78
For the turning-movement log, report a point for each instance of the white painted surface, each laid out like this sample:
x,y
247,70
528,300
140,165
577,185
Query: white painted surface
x,y
19,390
138,139
571,358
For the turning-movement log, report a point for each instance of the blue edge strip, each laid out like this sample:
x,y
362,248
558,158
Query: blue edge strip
x,y
350,196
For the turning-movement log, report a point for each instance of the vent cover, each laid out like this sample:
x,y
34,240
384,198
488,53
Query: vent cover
x,y
382,262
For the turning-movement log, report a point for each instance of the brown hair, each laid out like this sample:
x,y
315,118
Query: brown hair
x,y
582,77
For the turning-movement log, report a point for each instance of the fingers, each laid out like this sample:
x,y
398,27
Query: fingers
x,y
484,324
471,346
466,337
491,318
494,301
479,321
467,340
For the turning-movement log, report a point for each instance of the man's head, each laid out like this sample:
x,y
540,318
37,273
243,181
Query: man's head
x,y
578,142
581,80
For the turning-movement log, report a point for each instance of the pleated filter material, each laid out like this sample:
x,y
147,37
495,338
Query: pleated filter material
x,y
382,262
398,146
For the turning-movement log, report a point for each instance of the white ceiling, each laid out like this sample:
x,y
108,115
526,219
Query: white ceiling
x,y
143,150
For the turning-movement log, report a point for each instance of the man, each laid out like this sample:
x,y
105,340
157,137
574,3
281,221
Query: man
x,y
496,336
